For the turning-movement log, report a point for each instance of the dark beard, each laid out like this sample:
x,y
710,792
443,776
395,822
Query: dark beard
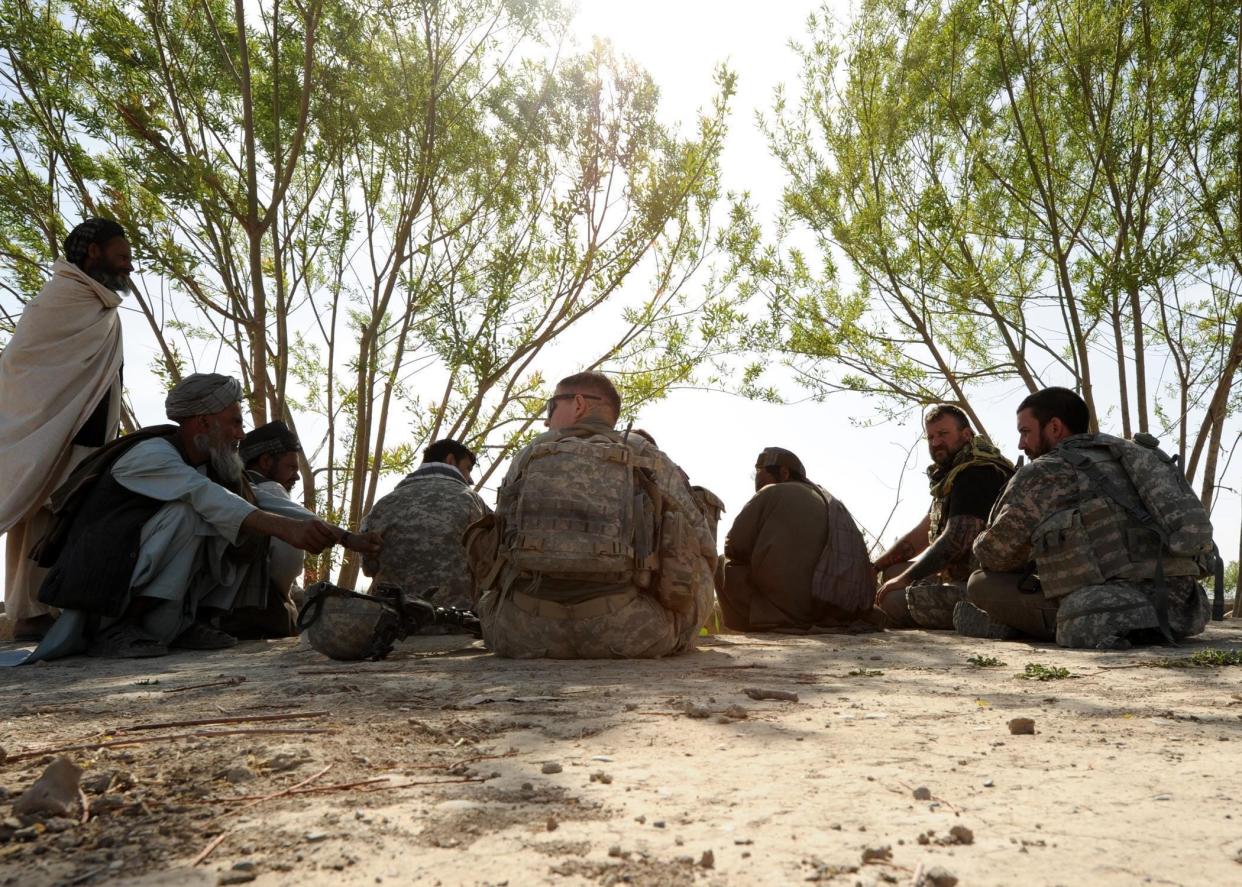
x,y
118,283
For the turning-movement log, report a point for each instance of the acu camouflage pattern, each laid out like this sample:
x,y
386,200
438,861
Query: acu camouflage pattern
x,y
1084,543
423,520
1101,616
660,529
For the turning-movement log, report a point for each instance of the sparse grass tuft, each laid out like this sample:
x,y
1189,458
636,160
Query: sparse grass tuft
x,y
1209,658
1034,671
865,673
984,661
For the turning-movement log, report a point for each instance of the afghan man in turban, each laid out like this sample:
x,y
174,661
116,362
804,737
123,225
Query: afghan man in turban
x,y
271,454
160,534
60,399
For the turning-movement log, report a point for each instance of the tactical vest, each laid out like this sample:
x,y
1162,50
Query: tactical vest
x,y
588,510
1135,518
978,451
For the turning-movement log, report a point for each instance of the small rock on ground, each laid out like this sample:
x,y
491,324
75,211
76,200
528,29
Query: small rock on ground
x,y
551,767
55,792
922,793
1022,727
877,853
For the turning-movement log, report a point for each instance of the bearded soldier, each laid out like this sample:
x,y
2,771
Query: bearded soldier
x,y
1096,543
60,399
160,530
967,474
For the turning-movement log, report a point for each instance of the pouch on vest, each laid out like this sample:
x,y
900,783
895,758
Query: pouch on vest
x,y
678,561
574,513
481,541
1063,554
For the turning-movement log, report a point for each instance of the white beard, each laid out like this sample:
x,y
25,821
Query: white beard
x,y
225,462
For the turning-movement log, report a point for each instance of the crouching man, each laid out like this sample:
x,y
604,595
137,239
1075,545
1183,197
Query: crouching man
x,y
599,550
160,531
1116,535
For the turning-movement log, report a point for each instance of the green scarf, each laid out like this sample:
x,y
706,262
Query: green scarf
x,y
978,451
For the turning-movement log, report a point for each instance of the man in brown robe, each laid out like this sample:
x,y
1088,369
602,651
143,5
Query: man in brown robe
x,y
796,559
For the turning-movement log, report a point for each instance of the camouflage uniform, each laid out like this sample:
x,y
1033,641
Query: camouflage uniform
x,y
423,520
1084,609
929,602
576,617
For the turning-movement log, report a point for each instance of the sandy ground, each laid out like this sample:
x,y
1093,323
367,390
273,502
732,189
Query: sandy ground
x,y
478,770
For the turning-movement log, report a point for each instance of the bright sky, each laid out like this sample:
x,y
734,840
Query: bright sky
x,y
715,437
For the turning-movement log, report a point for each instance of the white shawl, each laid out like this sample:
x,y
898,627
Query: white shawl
x,y
65,354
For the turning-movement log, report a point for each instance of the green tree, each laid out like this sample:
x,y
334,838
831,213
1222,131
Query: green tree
x,y
386,220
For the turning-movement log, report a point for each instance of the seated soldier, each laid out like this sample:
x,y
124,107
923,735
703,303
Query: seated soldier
x,y
1116,535
967,474
796,559
600,551
422,522
160,529
270,454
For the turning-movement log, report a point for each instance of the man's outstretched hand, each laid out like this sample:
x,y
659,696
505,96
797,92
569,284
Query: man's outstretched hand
x,y
366,543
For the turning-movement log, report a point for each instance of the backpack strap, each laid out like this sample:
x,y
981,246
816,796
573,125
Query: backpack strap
x,y
1105,486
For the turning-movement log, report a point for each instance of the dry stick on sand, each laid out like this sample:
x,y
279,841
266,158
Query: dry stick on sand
x,y
236,719
219,839
227,682
137,740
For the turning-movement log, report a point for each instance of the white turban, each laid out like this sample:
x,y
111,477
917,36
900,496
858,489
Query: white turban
x,y
201,394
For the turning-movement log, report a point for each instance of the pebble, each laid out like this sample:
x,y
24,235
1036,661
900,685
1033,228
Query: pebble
x,y
659,823
245,865
939,876
691,710
603,759
1022,727
922,793
551,767
877,853
552,824
962,835
707,860
987,783
601,776
614,851
59,824
315,837
3,754
54,792
235,877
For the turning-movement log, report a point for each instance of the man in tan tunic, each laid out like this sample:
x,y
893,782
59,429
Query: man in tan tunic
x,y
60,399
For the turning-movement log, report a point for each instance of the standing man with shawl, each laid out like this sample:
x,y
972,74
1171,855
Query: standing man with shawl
x,y
60,399
797,560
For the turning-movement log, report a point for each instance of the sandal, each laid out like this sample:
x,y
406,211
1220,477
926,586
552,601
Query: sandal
x,y
125,641
201,636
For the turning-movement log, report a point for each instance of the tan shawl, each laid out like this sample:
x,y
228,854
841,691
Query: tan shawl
x,y
65,354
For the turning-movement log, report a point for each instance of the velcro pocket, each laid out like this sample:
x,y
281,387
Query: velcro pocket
x,y
1063,554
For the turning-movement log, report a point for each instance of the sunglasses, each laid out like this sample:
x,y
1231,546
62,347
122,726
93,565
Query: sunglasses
x,y
550,406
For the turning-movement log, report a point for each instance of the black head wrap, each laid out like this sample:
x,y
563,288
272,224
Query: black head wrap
x,y
95,230
782,458
274,437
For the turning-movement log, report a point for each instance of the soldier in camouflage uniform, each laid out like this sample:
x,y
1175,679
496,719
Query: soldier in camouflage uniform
x,y
1105,579
423,520
966,475
621,599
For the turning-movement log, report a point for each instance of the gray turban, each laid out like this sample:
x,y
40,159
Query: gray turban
x,y
274,437
98,231
201,394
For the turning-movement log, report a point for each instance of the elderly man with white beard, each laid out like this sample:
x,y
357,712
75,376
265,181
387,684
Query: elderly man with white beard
x,y
159,531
